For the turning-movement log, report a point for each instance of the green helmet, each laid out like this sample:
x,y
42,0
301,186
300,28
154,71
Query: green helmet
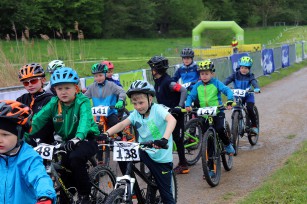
x,y
99,68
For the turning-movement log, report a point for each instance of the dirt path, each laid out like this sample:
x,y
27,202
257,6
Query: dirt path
x,y
281,107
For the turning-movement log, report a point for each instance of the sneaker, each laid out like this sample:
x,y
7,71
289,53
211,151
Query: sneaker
x,y
255,130
180,169
230,150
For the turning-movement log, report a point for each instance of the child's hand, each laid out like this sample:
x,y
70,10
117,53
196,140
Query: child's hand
x,y
229,105
162,143
256,90
119,104
188,108
71,144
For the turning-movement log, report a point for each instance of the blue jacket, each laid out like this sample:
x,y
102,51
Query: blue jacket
x,y
241,81
23,178
187,74
105,94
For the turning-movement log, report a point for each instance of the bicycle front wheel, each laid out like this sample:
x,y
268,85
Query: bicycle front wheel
x,y
103,180
117,197
211,160
253,138
235,129
192,141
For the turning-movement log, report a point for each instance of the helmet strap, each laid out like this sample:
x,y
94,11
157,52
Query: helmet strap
x,y
149,107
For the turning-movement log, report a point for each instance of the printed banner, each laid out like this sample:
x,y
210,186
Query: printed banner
x,y
285,60
126,79
235,59
267,61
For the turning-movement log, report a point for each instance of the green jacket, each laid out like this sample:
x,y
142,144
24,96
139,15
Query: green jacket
x,y
76,119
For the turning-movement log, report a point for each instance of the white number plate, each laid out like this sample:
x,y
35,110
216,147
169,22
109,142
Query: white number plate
x,y
186,85
207,111
126,151
100,111
239,92
45,151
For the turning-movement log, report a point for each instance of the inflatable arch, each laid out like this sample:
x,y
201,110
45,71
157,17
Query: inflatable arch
x,y
215,25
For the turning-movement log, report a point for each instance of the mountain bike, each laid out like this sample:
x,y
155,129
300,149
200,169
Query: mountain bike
x,y
241,123
102,178
213,150
128,185
100,114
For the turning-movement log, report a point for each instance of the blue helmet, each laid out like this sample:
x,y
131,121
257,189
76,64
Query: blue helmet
x,y
246,62
64,75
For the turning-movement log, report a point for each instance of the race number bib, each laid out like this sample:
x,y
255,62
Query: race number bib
x,y
210,111
126,151
186,85
239,92
45,151
100,111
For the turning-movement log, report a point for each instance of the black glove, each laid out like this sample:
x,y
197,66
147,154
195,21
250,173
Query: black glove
x,y
103,137
71,144
176,110
162,143
229,103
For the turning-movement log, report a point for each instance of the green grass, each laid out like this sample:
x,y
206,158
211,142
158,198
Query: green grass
x,y
287,185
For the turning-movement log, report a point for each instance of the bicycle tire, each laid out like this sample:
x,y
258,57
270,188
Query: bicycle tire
x,y
192,134
211,160
252,138
235,129
103,178
117,197
227,160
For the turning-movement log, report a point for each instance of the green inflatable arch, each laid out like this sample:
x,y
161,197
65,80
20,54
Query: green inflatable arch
x,y
215,25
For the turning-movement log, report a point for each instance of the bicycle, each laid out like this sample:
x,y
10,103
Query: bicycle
x,y
212,147
100,114
128,184
102,179
241,122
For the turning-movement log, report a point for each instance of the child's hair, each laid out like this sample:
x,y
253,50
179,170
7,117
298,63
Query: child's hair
x,y
15,117
30,71
136,96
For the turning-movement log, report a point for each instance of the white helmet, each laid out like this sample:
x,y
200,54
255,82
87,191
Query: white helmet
x,y
55,64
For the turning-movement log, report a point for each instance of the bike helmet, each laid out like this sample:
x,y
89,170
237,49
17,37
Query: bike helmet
x,y
12,114
64,75
99,68
31,70
140,86
246,62
158,63
109,64
55,64
206,65
187,52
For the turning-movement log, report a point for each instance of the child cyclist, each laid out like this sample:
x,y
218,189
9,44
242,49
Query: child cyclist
x,y
153,122
23,178
244,79
188,69
110,76
208,91
52,66
32,76
72,119
176,95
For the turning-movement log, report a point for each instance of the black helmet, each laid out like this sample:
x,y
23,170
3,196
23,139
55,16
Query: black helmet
x,y
158,63
187,52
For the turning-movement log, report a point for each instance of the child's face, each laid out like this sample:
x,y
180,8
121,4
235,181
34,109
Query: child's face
x,y
110,73
244,70
33,85
7,141
66,93
140,102
206,76
187,60
100,77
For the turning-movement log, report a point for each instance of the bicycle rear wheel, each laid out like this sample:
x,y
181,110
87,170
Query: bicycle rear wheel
x,y
211,160
192,141
253,138
103,181
227,160
235,129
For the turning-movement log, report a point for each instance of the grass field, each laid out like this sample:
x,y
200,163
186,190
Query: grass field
x,y
125,54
